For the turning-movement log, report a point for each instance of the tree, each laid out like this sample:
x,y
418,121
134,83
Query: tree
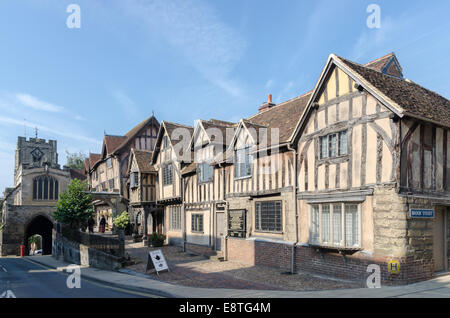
x,y
75,160
122,220
74,206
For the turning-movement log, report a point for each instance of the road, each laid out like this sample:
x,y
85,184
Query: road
x,y
26,279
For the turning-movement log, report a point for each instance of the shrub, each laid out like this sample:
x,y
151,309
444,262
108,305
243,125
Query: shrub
x,y
122,220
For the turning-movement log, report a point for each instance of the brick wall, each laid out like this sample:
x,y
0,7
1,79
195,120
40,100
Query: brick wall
x,y
307,259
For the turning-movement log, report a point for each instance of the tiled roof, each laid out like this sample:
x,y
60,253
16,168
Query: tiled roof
x,y
77,174
284,116
113,142
413,99
133,132
143,160
222,126
192,167
93,159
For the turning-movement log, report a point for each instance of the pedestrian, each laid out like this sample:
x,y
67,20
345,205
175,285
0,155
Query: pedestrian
x,y
91,224
102,224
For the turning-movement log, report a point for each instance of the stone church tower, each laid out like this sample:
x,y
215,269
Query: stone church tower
x,y
29,206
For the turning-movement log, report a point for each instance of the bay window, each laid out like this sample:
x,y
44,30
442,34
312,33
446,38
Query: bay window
x,y
335,224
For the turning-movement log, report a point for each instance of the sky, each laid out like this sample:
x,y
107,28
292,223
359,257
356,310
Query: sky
x,y
189,59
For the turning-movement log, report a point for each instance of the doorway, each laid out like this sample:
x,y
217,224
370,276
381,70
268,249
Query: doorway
x,y
42,226
440,241
220,229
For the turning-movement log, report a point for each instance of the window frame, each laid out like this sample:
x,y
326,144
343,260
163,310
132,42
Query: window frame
x,y
343,229
247,166
336,146
167,174
194,222
258,217
175,218
45,188
109,164
201,173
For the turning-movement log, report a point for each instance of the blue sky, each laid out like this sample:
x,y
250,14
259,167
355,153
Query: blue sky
x,y
189,59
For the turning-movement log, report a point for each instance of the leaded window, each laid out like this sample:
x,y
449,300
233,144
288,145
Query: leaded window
x,y
167,175
333,145
197,223
335,224
45,188
205,172
175,218
268,216
243,163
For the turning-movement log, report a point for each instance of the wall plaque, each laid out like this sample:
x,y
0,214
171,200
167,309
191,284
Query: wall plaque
x,y
237,223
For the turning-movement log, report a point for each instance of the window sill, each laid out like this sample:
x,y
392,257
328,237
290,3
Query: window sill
x,y
243,178
268,232
197,232
345,250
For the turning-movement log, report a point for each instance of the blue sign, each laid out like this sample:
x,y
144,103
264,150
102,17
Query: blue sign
x,y
422,213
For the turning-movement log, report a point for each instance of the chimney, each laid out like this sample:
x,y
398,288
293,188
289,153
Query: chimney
x,y
267,104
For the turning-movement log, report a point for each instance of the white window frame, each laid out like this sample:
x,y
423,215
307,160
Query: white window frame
x,y
241,169
175,215
343,230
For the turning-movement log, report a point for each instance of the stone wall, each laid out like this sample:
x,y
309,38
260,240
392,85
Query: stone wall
x,y
17,219
85,255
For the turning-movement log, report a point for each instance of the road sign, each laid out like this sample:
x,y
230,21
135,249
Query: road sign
x,y
157,261
422,213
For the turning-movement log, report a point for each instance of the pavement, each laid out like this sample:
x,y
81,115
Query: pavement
x,y
438,287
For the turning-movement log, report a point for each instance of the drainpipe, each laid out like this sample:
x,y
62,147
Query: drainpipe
x,y
295,208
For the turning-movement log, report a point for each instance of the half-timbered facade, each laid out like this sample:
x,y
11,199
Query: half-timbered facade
x,y
203,183
372,147
108,172
169,158
260,182
142,189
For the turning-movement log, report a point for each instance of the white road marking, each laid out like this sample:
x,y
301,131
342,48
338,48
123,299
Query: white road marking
x,y
3,269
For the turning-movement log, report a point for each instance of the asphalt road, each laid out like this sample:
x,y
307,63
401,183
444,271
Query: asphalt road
x,y
26,279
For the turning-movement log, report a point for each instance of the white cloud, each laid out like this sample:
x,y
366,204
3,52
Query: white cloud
x,y
195,30
35,103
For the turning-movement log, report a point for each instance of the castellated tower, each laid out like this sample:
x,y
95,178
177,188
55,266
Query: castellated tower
x,y
35,153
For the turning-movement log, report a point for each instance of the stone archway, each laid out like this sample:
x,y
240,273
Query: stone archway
x,y
42,226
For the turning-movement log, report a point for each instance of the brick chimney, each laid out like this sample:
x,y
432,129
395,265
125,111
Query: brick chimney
x,y
267,104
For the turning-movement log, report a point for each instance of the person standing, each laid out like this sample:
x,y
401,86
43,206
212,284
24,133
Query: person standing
x,y
102,224
91,225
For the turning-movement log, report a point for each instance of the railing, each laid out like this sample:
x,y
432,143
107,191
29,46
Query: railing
x,y
110,245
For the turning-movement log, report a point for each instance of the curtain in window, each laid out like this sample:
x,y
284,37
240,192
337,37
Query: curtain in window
x,y
351,225
337,224
315,224
326,223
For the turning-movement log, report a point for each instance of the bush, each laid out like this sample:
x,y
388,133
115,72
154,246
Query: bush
x,y
122,220
156,239
74,206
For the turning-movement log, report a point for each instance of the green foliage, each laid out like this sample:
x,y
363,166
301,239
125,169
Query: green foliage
x,y
74,206
155,237
75,160
33,239
122,220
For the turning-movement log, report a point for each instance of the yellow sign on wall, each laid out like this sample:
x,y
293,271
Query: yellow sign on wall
x,y
394,267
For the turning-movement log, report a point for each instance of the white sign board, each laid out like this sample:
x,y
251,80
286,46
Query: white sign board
x,y
158,260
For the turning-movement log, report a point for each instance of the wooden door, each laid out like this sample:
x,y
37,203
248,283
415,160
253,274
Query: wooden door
x,y
220,229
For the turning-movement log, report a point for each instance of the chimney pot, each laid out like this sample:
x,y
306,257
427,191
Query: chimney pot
x,y
269,98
